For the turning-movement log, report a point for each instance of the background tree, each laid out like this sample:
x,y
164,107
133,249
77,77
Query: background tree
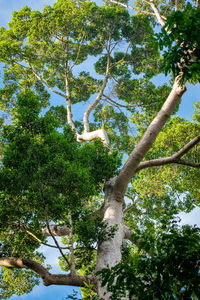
x,y
57,178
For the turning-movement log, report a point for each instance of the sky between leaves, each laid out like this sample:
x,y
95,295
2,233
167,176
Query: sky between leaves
x,y
185,110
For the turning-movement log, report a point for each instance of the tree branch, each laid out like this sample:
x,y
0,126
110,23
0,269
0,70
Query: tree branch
x,y
118,104
45,83
128,235
175,158
71,247
148,139
89,136
68,97
48,278
98,98
56,230
41,242
133,8
156,12
78,52
56,242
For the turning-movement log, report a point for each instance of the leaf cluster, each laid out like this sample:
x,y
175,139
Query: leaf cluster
x,y
181,40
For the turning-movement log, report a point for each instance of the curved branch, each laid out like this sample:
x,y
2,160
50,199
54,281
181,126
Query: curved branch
x,y
48,278
175,158
89,136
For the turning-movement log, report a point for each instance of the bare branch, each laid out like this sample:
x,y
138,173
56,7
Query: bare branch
x,y
48,278
187,163
128,235
187,147
133,205
175,158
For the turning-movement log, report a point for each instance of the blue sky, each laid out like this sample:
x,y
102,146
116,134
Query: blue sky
x,y
186,110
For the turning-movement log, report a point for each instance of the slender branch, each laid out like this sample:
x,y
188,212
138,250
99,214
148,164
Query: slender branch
x,y
187,163
78,52
118,104
45,83
48,278
71,247
128,208
187,147
41,242
98,98
132,205
68,96
175,158
56,242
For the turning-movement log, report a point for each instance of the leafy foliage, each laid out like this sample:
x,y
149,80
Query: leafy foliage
x,y
182,43
169,271
45,171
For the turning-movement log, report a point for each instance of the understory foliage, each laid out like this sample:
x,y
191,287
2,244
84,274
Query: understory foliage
x,y
81,54
167,269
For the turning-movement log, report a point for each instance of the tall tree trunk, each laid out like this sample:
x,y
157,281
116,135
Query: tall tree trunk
x,y
109,251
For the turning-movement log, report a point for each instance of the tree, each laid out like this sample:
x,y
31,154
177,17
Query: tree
x,y
62,177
